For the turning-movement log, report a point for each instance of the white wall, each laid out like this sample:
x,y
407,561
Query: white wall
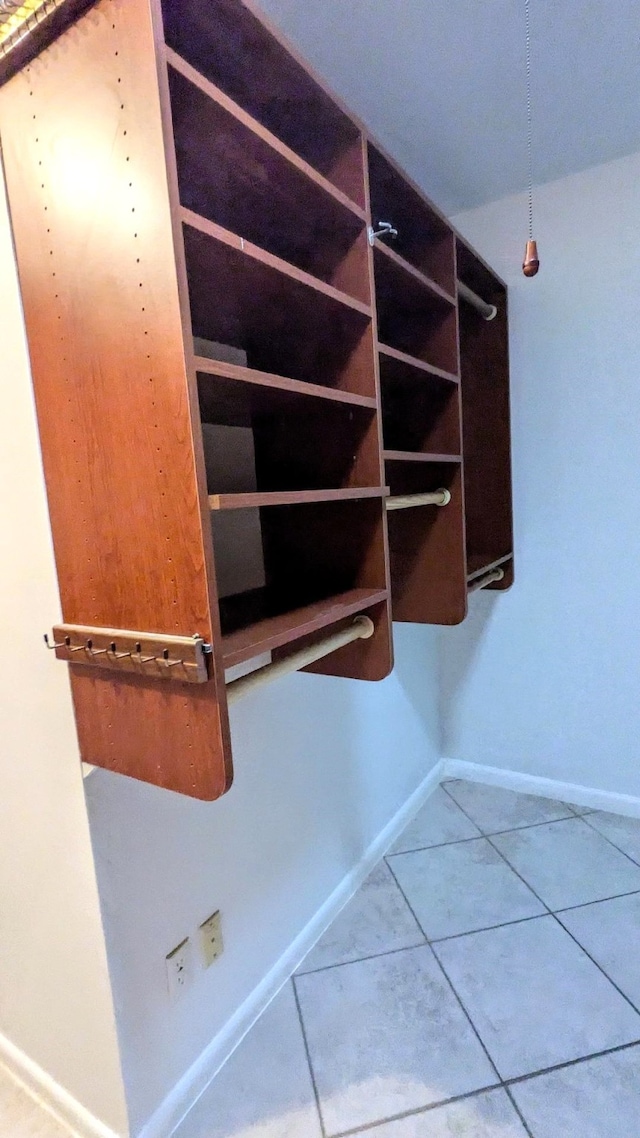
x,y
321,766
545,679
55,998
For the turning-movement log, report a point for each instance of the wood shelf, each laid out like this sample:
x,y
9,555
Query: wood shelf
x,y
265,392
244,56
276,631
412,319
416,456
291,498
407,276
270,262
425,238
289,323
403,368
478,565
289,164
234,173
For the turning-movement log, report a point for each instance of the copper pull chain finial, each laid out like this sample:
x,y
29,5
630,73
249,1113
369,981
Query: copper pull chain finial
x,y
531,262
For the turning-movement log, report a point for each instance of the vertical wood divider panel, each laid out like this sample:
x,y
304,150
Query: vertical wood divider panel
x,y
85,168
370,659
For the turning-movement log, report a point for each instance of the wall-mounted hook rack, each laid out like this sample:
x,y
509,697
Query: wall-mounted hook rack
x,y
145,653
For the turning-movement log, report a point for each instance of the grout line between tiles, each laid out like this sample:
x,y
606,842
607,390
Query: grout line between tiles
x,y
481,833
598,901
469,932
511,829
308,1055
570,1063
552,914
611,842
416,1112
370,956
525,1124
505,1085
455,993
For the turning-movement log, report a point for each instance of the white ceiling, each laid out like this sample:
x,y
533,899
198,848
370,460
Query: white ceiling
x,y
442,84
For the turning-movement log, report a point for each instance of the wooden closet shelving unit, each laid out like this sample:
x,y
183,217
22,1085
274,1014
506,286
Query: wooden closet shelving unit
x,y
415,282
232,375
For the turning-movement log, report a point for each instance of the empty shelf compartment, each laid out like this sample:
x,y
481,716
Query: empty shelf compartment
x,y
233,172
262,621
297,443
287,323
275,89
299,555
423,416
414,321
424,238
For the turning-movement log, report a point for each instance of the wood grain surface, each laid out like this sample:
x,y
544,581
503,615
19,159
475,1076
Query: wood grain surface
x,y
85,167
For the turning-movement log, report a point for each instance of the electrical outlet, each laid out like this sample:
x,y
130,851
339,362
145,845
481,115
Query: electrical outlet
x,y
211,943
180,969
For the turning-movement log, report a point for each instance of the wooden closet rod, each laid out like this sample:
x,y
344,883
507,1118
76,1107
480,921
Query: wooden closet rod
x,y
488,311
482,582
407,501
361,629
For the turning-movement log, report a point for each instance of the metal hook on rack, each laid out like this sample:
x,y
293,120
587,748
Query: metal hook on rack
x,y
96,651
65,643
385,229
114,652
170,663
139,658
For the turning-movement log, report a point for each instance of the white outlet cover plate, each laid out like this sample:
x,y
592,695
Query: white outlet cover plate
x,y
180,969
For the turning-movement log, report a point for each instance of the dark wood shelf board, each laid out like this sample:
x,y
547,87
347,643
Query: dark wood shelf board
x,y
260,500
273,391
417,456
271,632
269,261
234,45
384,252
479,564
402,366
251,124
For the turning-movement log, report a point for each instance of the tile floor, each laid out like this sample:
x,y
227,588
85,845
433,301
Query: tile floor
x,y
484,983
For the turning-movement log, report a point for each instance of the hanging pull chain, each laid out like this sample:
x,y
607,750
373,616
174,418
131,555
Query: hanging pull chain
x,y
531,262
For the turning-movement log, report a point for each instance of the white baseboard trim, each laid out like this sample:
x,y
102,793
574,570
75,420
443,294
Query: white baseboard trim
x,y
49,1095
194,1083
570,792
